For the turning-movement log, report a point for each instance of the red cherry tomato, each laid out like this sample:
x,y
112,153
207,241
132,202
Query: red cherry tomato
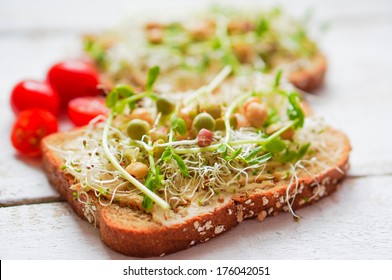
x,y
73,78
31,94
83,109
30,127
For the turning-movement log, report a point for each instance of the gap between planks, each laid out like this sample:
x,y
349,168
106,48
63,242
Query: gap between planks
x,y
374,17
31,201
55,199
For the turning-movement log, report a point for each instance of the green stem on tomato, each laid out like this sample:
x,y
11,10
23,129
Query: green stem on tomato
x,y
162,203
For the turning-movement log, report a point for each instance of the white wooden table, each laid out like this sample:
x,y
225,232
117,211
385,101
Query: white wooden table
x,y
354,223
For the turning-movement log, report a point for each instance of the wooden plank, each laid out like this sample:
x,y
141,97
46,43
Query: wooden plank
x,y
356,97
353,223
23,16
49,231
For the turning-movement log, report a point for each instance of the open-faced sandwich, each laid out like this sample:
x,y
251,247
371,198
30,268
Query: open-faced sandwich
x,y
191,51
164,172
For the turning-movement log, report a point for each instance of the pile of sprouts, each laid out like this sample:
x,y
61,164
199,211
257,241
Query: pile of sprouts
x,y
191,51
180,169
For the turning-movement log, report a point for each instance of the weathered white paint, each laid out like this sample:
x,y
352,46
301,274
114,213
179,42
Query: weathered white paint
x,y
49,231
357,98
353,223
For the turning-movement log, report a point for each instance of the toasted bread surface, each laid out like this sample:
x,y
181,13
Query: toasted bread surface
x,y
134,232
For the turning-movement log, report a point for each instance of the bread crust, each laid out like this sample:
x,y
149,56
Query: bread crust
x,y
311,78
307,79
120,226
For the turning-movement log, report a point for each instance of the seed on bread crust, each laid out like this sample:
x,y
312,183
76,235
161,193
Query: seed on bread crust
x,y
196,224
219,229
137,169
261,216
240,214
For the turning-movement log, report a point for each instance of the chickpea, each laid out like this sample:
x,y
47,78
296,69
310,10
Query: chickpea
x,y
288,134
142,114
137,128
201,30
239,26
242,121
155,36
165,106
248,101
204,120
243,52
137,169
154,25
256,114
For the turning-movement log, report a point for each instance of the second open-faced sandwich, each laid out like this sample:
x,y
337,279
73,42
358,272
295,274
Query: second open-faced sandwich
x,y
192,50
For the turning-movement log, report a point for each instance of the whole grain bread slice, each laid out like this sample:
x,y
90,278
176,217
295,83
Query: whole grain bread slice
x,y
133,232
